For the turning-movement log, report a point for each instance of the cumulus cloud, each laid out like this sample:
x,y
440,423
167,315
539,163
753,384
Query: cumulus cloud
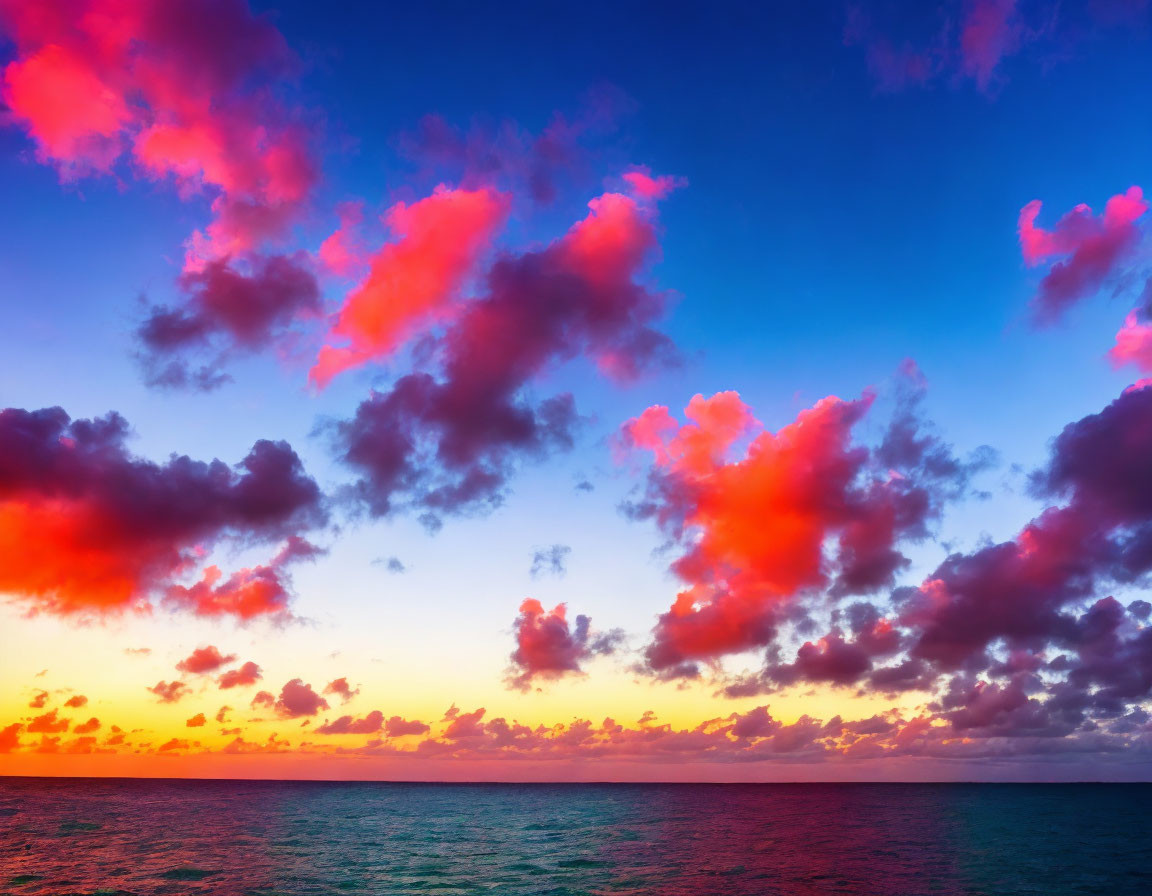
x,y
549,647
755,515
169,691
10,737
241,677
1084,252
48,723
370,724
86,528
447,443
263,698
341,689
399,727
76,701
203,660
297,699
228,305
197,721
190,94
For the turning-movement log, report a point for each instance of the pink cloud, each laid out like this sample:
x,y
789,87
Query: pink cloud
x,y
1133,344
1090,250
342,689
169,691
298,699
547,647
181,91
415,279
203,660
244,676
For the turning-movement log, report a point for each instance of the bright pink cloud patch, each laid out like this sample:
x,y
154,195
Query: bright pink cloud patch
x,y
415,279
1133,344
1090,250
183,89
644,186
203,660
243,676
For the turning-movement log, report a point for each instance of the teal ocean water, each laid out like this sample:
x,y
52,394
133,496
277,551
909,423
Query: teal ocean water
x,y
228,837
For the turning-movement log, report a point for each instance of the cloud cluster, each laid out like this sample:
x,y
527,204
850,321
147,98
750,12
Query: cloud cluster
x,y
1019,639
549,647
763,518
1090,250
413,280
188,93
446,442
88,528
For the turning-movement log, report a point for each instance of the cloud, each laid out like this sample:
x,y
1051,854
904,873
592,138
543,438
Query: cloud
x,y
88,727
10,737
392,564
76,701
192,94
242,677
169,691
1022,596
342,689
197,721
415,279
298,699
48,723
398,727
1133,344
203,660
180,92
370,724
960,42
551,560
250,593
264,698
755,514
228,305
644,186
535,165
39,701
1091,250
547,647
447,444
343,252
87,529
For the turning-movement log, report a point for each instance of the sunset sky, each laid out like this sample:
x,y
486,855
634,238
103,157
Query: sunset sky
x,y
600,391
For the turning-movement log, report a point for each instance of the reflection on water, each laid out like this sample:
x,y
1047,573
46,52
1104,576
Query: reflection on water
x,y
154,837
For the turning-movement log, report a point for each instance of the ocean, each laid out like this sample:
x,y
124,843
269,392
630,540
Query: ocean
x,y
90,836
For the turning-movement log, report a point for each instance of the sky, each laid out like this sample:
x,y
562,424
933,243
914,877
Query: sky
x,y
587,392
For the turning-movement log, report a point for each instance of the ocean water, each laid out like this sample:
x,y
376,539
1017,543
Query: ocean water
x,y
228,837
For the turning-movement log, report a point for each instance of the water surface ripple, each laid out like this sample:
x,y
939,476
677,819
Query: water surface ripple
x,y
237,838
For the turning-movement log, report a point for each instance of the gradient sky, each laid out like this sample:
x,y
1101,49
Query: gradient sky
x,y
438,286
